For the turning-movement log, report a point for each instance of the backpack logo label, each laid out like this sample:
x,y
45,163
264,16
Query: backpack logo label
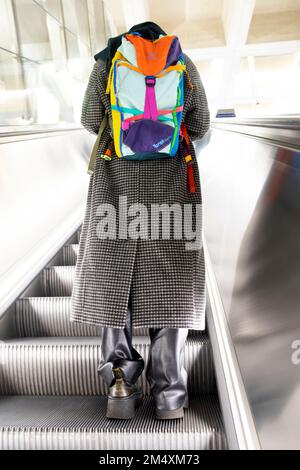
x,y
161,142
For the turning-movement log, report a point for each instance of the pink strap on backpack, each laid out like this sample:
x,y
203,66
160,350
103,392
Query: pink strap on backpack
x,y
150,106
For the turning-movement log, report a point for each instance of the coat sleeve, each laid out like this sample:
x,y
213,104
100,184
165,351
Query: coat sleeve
x,y
93,109
197,117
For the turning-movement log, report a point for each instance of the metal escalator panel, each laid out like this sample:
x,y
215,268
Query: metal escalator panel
x,y
52,397
251,192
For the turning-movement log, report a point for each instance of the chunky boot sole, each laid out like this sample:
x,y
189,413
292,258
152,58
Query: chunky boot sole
x,y
169,414
172,414
123,407
186,402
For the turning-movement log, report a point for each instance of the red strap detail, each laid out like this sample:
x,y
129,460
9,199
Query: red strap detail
x,y
185,134
190,168
168,111
191,179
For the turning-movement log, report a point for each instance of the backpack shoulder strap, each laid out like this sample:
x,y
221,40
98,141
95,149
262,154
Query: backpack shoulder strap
x,y
105,122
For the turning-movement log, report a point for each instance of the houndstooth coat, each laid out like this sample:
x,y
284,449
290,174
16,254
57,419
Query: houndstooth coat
x,y
166,281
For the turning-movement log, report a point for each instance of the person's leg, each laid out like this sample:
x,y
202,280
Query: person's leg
x,y
165,371
117,351
120,367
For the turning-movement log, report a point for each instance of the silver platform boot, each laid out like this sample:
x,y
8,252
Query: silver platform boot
x,y
123,398
120,367
165,372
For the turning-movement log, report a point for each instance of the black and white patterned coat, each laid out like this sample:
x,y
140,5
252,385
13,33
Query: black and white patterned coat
x,y
167,281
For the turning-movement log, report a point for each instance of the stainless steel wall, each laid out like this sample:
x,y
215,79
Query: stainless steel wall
x,y
251,197
43,189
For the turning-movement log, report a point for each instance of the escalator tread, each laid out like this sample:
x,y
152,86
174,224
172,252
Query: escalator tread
x,y
50,393
68,365
201,425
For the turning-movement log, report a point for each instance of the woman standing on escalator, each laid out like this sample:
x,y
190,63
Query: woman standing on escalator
x,y
147,282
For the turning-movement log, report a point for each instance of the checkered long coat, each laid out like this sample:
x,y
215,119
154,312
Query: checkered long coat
x,y
166,281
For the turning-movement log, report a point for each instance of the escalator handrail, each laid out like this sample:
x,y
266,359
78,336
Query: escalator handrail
x,y
280,131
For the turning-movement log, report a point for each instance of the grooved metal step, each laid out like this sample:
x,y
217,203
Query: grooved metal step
x,y
58,280
68,366
51,396
50,316
79,422
69,254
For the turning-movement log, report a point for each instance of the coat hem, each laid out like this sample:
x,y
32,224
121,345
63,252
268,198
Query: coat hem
x,y
200,326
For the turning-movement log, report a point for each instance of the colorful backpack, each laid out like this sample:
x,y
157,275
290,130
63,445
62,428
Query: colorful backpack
x,y
145,83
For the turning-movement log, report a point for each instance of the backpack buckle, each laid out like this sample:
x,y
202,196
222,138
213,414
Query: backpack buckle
x,y
150,80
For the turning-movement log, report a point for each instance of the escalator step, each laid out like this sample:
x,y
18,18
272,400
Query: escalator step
x,y
80,423
69,254
50,316
58,280
68,366
51,396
